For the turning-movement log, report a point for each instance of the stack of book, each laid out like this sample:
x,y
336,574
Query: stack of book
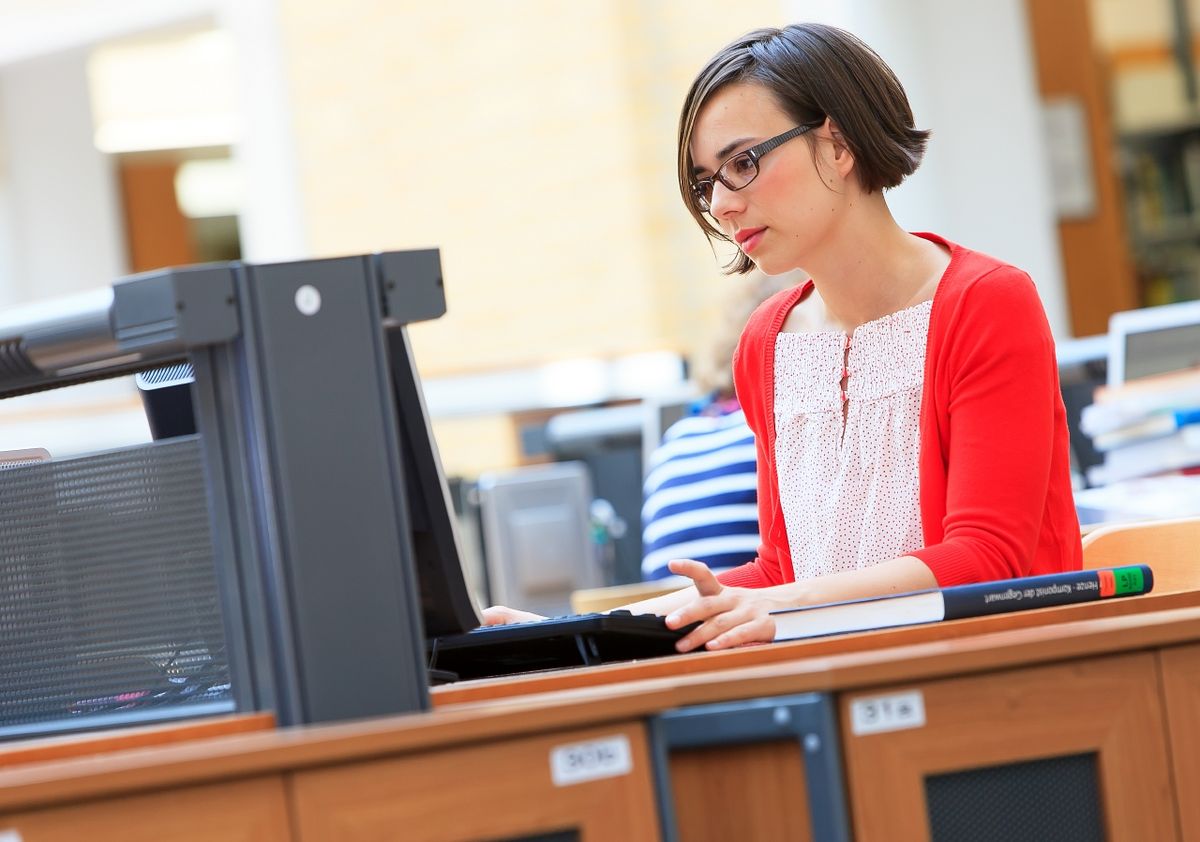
x,y
1145,427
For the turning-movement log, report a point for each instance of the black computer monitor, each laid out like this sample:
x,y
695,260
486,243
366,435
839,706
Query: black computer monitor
x,y
446,604
300,518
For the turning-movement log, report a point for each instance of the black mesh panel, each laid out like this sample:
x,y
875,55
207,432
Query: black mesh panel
x,y
1054,799
108,594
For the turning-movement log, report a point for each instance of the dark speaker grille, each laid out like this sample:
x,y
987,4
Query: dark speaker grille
x,y
1054,799
108,596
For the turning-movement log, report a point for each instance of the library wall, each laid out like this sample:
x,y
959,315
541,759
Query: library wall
x,y
533,142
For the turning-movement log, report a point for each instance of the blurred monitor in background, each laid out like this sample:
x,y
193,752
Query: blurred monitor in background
x,y
1153,340
537,535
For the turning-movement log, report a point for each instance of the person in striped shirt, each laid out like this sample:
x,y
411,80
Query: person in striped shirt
x,y
700,497
700,491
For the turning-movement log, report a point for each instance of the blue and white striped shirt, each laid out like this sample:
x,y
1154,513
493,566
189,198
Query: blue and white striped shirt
x,y
700,495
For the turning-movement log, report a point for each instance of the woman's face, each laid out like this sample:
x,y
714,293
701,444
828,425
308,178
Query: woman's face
x,y
796,200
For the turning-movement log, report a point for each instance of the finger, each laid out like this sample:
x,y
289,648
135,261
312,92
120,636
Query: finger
x,y
712,628
498,615
701,609
703,578
758,630
695,639
739,625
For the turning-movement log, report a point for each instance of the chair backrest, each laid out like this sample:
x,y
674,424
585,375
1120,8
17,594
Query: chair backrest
x,y
1170,547
587,600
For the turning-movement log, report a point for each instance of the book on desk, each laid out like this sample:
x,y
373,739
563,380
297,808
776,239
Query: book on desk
x,y
936,604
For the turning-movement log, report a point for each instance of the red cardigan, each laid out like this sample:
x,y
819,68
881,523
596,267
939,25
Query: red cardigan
x,y
994,469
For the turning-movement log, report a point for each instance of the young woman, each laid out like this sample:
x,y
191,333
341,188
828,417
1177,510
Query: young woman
x,y
920,439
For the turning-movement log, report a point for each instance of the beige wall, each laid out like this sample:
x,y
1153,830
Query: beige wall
x,y
533,143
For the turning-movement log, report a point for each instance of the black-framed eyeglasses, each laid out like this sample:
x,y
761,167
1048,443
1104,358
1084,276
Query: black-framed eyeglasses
x,y
741,169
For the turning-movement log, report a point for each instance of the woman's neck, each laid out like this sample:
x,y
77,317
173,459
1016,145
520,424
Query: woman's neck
x,y
872,267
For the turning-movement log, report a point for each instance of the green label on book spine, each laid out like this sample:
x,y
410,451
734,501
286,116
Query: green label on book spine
x,y
1128,580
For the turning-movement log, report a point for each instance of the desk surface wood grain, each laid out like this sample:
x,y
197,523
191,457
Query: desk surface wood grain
x,y
294,749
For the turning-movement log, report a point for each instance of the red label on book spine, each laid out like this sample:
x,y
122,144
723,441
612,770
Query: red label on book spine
x,y
1108,583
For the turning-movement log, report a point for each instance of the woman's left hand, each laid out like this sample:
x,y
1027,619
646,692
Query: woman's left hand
x,y
728,616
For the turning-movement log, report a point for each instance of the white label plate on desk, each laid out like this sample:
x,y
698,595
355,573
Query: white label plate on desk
x,y
10,836
577,763
891,712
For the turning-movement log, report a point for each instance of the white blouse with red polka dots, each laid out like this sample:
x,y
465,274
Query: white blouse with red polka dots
x,y
847,412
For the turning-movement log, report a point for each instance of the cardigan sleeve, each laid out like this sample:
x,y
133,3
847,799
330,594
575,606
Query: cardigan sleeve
x,y
997,388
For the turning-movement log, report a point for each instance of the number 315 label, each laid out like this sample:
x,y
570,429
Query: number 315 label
x,y
579,762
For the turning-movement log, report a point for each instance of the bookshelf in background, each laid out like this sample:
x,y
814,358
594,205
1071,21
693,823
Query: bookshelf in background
x,y
1160,168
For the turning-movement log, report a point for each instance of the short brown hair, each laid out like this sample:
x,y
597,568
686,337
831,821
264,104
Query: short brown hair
x,y
813,71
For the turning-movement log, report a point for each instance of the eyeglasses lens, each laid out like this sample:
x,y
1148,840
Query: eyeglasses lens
x,y
738,171
735,174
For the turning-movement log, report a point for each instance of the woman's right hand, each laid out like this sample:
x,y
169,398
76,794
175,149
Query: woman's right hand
x,y
498,615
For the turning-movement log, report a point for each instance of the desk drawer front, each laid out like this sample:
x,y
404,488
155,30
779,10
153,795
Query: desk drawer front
x,y
500,790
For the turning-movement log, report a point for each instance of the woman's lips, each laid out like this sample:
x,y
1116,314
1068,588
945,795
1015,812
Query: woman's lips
x,y
749,238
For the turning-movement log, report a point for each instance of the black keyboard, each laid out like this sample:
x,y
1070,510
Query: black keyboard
x,y
554,643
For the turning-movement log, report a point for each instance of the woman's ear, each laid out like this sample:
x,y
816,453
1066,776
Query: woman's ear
x,y
842,158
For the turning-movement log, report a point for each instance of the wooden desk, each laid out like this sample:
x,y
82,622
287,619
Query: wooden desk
x,y
780,653
1085,687
480,770
105,742
440,776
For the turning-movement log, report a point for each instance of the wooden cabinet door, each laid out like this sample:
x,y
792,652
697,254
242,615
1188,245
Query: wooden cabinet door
x,y
1181,692
241,811
753,791
502,790
1106,708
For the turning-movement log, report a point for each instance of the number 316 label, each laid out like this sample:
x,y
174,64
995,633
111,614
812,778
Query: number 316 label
x,y
580,762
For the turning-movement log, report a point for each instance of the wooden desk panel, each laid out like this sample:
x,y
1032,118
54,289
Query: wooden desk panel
x,y
250,755
1180,667
698,663
754,791
101,742
243,811
1058,649
1109,706
501,790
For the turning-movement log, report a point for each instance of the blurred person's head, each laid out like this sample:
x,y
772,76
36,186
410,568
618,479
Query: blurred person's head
x,y
714,369
760,95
